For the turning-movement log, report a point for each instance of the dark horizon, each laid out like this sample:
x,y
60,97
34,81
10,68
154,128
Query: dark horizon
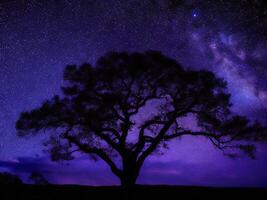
x,y
39,38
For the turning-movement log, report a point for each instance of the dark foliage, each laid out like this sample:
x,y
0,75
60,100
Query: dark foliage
x,y
9,179
130,104
38,179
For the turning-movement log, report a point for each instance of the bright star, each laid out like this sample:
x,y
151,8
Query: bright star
x,y
194,13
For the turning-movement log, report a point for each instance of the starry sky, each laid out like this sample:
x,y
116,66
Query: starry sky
x,y
39,38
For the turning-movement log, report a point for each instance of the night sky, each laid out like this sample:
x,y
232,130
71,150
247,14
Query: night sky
x,y
39,38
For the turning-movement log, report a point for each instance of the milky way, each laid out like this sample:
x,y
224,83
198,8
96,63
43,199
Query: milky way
x,y
38,38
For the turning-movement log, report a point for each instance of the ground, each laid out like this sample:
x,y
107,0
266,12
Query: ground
x,y
52,192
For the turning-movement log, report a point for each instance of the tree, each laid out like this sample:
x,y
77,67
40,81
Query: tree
x,y
38,179
130,105
9,179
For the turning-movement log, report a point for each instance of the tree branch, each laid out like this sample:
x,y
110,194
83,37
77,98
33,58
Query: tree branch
x,y
156,140
187,132
98,152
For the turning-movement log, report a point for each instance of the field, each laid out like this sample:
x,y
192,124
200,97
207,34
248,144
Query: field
x,y
53,192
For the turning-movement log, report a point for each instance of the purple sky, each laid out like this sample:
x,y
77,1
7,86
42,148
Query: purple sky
x,y
38,38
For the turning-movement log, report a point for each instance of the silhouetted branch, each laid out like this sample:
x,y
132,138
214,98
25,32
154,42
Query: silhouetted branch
x,y
86,149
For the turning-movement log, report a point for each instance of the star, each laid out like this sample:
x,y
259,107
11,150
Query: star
x,y
194,14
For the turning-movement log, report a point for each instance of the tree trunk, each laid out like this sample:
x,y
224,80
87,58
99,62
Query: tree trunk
x,y
129,175
128,185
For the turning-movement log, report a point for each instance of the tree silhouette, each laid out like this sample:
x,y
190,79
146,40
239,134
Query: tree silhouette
x,y
9,179
38,179
130,105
